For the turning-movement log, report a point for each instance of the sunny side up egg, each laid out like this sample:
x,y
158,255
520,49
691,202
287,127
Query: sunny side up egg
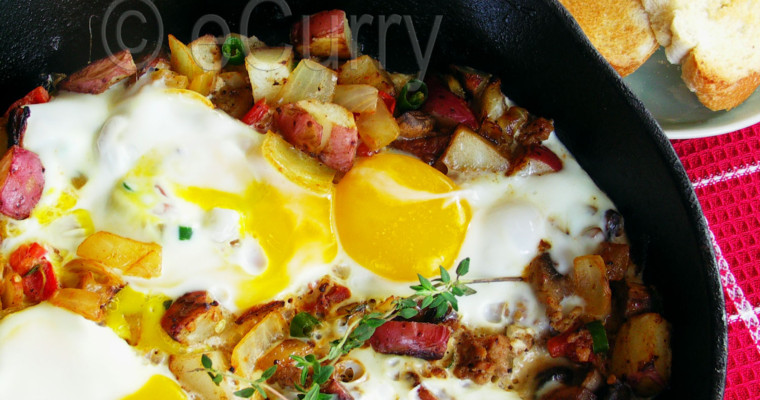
x,y
158,165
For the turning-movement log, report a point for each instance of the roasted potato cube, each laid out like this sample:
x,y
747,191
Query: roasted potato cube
x,y
85,303
642,354
492,103
590,282
203,83
287,374
194,318
323,34
366,70
257,342
232,94
171,79
268,70
469,151
100,75
535,160
299,128
378,129
446,108
182,59
340,137
296,165
616,257
193,378
130,256
474,81
206,53
21,182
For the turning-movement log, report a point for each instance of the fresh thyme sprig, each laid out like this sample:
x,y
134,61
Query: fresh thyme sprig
x,y
320,374
437,294
256,385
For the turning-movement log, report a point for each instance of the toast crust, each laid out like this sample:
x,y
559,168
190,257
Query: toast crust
x,y
619,29
713,91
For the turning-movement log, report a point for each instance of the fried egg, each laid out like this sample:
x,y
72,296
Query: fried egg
x,y
151,164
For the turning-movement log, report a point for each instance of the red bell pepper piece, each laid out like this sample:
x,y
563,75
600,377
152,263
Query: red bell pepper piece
x,y
256,113
38,95
37,275
390,101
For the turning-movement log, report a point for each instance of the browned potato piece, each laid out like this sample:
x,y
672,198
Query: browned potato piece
x,y
642,354
132,257
100,75
469,152
377,129
287,374
171,79
257,342
328,35
590,281
232,94
366,70
80,301
203,83
206,53
182,59
194,318
268,70
194,379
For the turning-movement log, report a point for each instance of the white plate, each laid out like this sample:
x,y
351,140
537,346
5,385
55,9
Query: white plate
x,y
659,86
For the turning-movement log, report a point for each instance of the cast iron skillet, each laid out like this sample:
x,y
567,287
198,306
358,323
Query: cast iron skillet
x,y
545,64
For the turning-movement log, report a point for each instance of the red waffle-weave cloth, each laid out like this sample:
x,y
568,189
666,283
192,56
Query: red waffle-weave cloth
x,y
725,172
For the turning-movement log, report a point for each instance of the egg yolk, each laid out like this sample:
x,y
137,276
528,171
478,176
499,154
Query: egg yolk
x,y
158,387
136,318
291,228
399,217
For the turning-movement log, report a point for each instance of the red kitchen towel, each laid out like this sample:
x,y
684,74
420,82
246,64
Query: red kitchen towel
x,y
725,172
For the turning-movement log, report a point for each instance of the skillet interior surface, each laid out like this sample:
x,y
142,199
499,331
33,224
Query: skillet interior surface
x,y
545,64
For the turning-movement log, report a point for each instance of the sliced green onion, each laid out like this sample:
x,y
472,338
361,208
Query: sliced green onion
x,y
185,233
127,187
598,336
302,324
233,50
412,95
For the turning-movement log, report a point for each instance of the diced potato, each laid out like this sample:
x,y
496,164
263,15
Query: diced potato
x,y
80,301
287,373
193,378
22,180
130,256
194,318
296,165
300,128
328,35
339,133
590,281
100,75
268,70
91,276
535,160
366,70
182,59
257,342
309,81
469,152
642,354
492,103
203,83
206,53
378,129
170,78
11,289
474,80
232,93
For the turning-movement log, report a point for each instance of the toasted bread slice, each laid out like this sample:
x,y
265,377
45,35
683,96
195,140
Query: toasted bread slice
x,y
717,43
619,29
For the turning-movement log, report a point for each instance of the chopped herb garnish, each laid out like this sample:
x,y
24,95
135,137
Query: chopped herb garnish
x,y
127,187
302,324
598,337
185,233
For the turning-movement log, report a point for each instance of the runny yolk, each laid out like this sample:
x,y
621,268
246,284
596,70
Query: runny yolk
x,y
292,229
158,387
398,217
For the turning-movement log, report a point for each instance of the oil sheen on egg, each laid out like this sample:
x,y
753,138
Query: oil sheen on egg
x,y
147,163
48,352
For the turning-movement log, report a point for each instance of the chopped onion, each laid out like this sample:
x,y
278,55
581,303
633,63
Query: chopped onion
x,y
356,98
310,80
80,301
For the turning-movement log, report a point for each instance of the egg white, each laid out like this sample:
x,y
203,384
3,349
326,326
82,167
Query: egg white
x,y
143,136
